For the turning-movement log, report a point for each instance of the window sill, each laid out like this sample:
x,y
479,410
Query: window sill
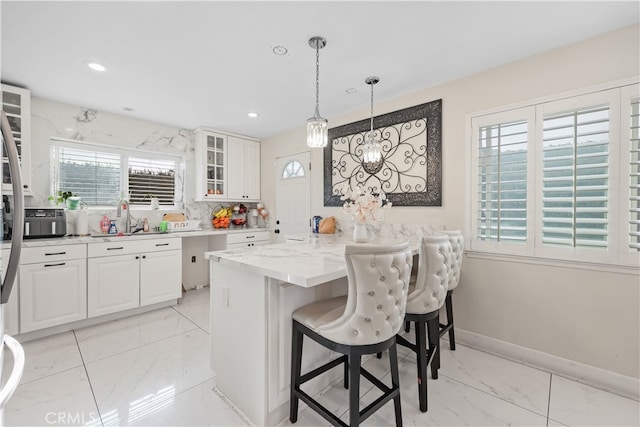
x,y
610,268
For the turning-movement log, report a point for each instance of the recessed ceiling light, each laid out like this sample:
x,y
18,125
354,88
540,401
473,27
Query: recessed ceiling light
x,y
96,66
280,50
351,90
253,114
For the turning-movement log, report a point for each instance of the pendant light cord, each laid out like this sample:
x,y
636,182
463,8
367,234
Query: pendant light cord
x,y
317,79
371,111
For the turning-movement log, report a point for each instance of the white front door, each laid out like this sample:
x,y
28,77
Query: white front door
x,y
293,195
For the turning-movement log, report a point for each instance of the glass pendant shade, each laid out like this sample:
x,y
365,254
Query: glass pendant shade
x,y
317,132
372,151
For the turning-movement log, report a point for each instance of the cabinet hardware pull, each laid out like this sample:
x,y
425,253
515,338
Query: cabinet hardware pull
x,y
162,244
55,253
55,265
113,249
144,257
137,257
250,237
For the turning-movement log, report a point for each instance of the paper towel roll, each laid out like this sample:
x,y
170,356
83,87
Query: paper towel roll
x,y
82,222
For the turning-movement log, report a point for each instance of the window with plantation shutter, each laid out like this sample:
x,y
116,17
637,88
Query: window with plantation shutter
x,y
634,177
101,175
93,175
575,178
502,182
559,179
151,178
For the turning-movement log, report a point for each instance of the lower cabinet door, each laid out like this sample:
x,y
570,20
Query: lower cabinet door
x,y
113,284
52,294
160,276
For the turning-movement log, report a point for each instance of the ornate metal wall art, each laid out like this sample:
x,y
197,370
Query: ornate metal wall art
x,y
410,172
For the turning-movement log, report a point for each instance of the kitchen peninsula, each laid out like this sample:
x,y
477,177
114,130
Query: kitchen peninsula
x,y
253,294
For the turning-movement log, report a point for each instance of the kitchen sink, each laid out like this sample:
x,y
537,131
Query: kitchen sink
x,y
139,233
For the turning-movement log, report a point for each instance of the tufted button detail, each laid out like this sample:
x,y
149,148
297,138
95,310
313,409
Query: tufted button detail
x,y
390,291
434,294
382,278
373,264
371,293
366,319
355,332
379,307
377,333
388,317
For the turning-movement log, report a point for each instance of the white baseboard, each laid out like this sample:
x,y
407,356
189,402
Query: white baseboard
x,y
597,377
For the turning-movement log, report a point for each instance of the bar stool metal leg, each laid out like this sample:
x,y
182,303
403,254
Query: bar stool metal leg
x,y
296,366
395,383
354,389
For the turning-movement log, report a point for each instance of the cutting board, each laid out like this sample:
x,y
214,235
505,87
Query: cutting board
x,y
174,217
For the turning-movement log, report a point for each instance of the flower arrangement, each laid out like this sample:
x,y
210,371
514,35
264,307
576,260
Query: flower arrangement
x,y
363,205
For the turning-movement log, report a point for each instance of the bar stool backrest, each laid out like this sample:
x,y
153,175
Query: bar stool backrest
x,y
433,278
457,244
378,277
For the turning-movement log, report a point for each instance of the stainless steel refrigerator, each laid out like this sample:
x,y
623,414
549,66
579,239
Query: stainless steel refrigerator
x,y
11,378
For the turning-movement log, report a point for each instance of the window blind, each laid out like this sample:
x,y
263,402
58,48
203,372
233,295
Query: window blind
x,y
575,178
634,177
92,175
502,182
151,178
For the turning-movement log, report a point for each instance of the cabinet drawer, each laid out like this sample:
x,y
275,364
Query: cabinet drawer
x,y
250,236
133,247
52,253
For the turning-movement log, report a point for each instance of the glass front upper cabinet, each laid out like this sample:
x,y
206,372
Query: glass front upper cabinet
x,y
16,103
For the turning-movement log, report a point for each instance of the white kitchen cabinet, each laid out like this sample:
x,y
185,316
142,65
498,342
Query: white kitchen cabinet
x,y
53,286
132,274
160,277
10,309
244,169
248,238
113,284
227,167
16,103
211,165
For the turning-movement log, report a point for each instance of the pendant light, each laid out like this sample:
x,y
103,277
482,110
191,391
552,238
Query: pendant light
x,y
372,150
317,126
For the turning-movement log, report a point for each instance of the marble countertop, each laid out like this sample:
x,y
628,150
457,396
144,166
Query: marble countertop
x,y
71,240
308,263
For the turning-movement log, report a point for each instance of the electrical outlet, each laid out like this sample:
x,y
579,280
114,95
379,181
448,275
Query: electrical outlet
x,y
193,258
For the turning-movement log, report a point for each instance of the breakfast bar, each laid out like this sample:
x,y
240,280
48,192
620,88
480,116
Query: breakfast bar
x,y
253,294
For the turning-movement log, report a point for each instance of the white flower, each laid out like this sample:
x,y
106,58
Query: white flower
x,y
362,204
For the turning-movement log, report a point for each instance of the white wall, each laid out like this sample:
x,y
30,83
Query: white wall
x,y
586,316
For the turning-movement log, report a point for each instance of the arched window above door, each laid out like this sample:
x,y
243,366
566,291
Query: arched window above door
x,y
293,169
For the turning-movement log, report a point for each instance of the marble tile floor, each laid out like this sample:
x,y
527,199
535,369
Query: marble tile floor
x,y
153,369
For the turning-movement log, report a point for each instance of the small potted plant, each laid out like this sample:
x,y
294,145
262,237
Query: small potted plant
x,y
70,200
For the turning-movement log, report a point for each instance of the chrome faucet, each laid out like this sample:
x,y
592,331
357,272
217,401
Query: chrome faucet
x,y
127,223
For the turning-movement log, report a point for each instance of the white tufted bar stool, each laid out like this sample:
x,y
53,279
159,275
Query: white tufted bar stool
x,y
426,297
365,321
457,243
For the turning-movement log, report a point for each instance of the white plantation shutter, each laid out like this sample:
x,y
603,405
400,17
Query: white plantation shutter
x,y
575,178
151,177
502,182
93,175
634,177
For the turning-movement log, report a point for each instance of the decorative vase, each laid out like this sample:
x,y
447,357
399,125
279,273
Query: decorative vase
x,y
360,232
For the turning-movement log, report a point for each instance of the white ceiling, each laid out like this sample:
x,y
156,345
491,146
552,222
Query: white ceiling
x,y
193,64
